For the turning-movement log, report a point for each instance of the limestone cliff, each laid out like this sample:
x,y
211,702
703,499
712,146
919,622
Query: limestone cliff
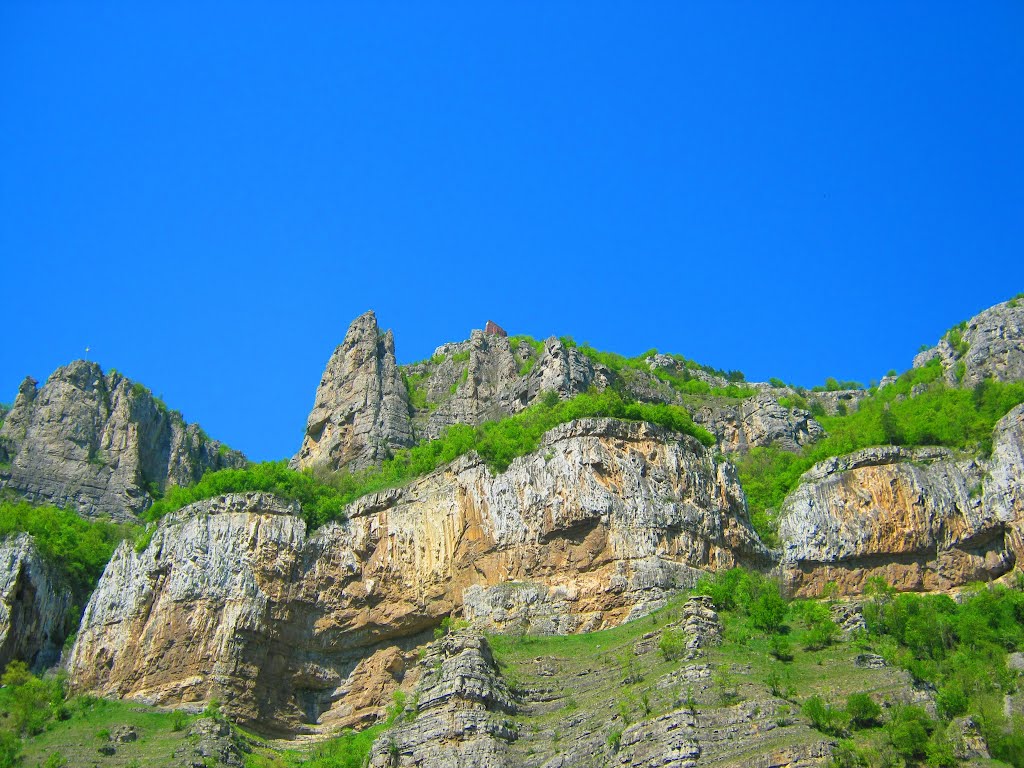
x,y
988,346
758,421
922,519
233,599
35,605
361,412
486,378
100,443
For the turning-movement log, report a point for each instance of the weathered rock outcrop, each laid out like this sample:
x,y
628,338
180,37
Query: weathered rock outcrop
x,y
916,517
486,378
232,599
458,714
35,602
989,346
100,443
758,421
361,412
1003,484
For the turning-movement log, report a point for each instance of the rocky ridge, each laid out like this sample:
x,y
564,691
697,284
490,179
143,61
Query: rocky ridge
x,y
100,443
988,346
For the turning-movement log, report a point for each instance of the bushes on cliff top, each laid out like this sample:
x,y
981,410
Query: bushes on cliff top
x,y
319,500
936,415
78,548
323,495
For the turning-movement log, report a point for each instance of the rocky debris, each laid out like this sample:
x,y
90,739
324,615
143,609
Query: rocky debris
x,y
211,742
459,715
700,624
988,346
915,517
361,411
35,601
100,443
967,741
232,599
125,734
849,617
869,661
758,421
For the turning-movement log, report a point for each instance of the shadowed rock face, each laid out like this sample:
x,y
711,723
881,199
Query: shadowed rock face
x,y
361,413
995,347
99,443
34,605
921,519
232,599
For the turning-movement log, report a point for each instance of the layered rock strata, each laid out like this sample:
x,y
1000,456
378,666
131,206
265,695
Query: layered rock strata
x,y
921,519
458,716
233,599
35,603
100,443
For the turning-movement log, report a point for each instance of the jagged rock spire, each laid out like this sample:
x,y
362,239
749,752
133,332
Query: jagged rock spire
x,y
361,412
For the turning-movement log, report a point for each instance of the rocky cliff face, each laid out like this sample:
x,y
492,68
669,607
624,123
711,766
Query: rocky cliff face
x,y
457,718
922,519
988,346
361,412
100,443
758,421
35,605
486,378
232,599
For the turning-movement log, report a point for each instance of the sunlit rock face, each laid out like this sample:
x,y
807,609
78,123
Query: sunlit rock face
x,y
100,443
921,519
234,599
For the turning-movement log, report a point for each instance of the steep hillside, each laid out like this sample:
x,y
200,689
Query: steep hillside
x,y
486,558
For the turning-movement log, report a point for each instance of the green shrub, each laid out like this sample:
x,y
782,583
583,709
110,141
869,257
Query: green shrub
x,y
908,732
862,710
78,548
768,610
323,495
672,643
952,417
824,717
780,647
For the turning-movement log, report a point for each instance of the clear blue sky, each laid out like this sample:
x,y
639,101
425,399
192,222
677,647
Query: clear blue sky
x,y
207,194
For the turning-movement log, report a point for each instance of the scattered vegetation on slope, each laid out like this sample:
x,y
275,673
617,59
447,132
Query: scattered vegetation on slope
x,y
78,548
323,495
783,648
918,409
